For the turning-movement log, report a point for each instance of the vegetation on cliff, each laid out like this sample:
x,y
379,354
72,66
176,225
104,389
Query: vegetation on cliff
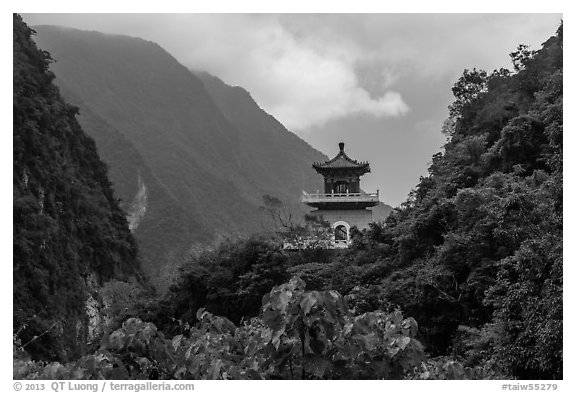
x,y
474,254
69,234
464,280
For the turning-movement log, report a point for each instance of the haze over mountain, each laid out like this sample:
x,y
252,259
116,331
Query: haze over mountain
x,y
323,75
190,158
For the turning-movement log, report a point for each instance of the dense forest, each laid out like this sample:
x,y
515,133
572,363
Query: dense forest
x,y
462,281
70,236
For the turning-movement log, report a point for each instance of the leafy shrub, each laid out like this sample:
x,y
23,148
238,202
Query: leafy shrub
x,y
299,334
229,281
122,300
445,368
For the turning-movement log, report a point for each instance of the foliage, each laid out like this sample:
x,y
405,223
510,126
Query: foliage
x,y
311,234
298,334
521,57
479,240
123,300
314,335
229,281
474,255
69,235
467,89
443,368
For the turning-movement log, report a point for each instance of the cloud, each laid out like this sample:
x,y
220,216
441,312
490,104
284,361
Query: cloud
x,y
299,82
427,44
307,69
345,77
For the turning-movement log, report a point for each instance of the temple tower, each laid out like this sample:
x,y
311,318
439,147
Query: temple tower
x,y
343,203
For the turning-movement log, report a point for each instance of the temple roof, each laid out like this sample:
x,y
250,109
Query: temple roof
x,y
341,161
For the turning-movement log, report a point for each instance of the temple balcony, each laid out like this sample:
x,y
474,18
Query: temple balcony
x,y
341,201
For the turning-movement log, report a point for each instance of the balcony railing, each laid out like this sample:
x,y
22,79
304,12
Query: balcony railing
x,y
360,197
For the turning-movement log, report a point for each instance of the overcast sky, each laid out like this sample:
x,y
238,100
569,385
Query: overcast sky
x,y
379,82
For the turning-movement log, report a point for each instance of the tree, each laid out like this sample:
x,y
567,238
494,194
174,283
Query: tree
x,y
468,88
521,56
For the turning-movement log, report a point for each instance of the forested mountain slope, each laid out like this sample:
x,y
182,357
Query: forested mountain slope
x,y
475,253
163,228
70,236
266,144
205,171
463,281
260,128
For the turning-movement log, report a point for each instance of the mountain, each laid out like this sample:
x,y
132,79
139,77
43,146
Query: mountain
x,y
164,229
259,129
69,234
245,113
190,158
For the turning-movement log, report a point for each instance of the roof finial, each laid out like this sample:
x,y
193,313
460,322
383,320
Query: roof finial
x,y
341,144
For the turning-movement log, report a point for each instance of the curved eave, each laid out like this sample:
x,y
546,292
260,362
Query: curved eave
x,y
324,170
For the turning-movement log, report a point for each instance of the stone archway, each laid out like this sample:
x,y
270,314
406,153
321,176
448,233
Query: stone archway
x,y
341,232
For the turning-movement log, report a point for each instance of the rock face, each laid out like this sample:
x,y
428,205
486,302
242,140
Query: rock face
x,y
204,152
138,206
69,233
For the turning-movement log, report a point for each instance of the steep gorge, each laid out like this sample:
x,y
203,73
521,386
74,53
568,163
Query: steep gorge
x,y
205,166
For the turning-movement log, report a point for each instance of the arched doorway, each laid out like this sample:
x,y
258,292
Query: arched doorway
x,y
341,232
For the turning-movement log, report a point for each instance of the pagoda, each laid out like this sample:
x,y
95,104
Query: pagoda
x,y
343,203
